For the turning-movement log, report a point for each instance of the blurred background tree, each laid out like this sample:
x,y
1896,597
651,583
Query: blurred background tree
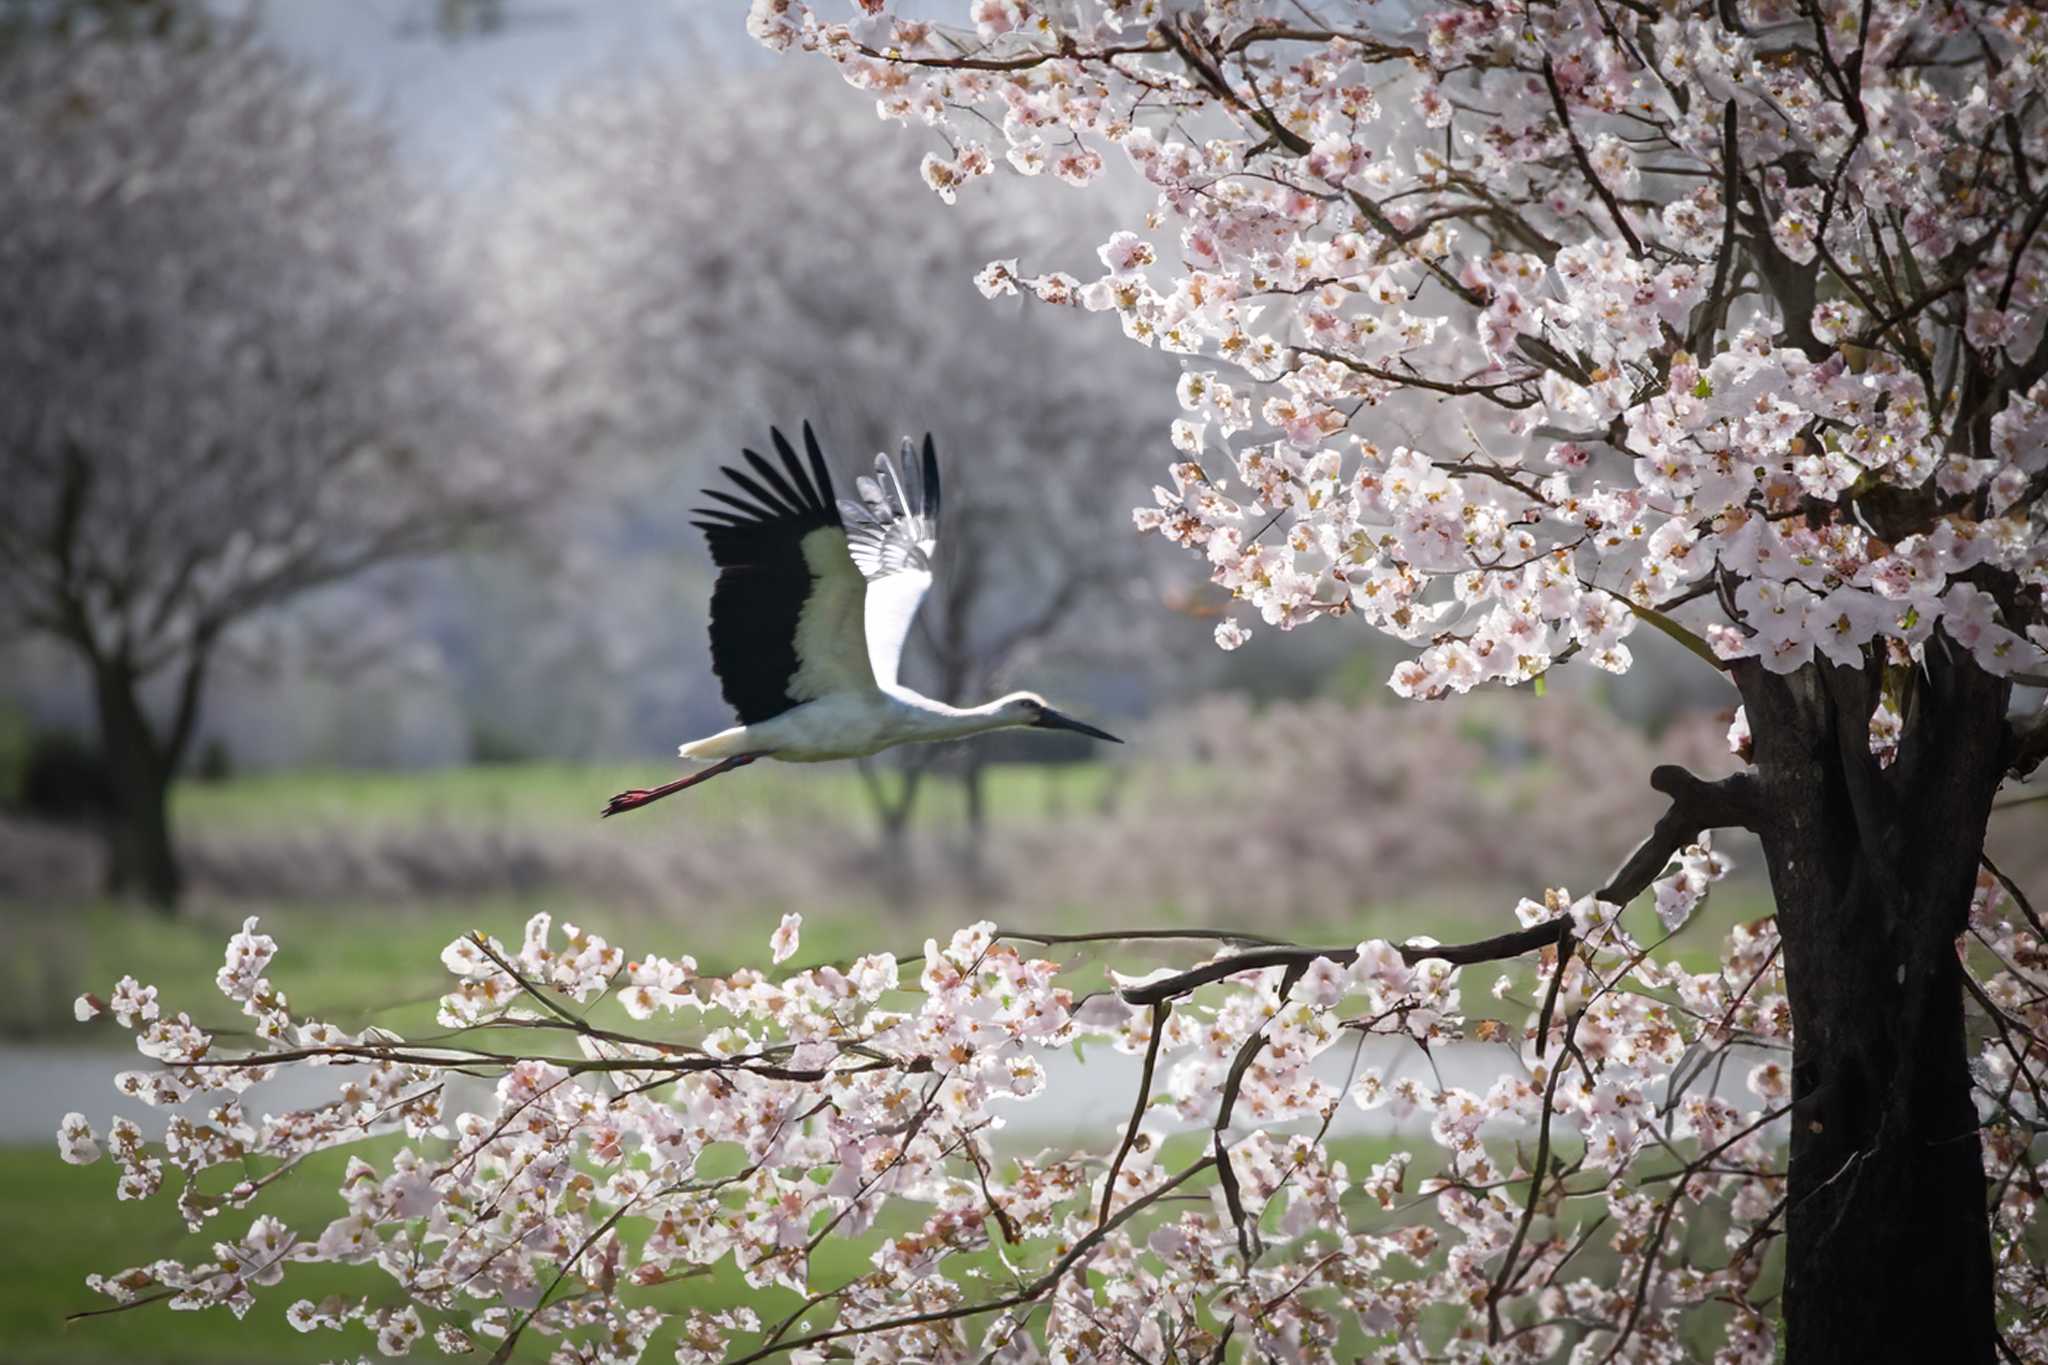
x,y
244,366
33,20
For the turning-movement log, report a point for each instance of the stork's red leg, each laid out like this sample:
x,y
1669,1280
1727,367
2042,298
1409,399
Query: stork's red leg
x,y
642,796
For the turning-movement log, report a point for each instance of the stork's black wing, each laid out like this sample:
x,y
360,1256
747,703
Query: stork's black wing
x,y
786,614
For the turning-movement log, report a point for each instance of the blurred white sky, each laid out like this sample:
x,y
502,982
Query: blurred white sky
x,y
449,98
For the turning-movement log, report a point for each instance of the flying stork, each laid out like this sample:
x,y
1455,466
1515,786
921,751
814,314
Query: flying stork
x,y
813,604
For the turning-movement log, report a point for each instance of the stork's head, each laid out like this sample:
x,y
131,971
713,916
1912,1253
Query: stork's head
x,y
1028,709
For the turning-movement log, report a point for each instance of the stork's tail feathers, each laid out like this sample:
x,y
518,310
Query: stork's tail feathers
x,y
725,744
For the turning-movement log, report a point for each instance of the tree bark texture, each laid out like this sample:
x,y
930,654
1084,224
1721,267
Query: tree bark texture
x,y
1888,1244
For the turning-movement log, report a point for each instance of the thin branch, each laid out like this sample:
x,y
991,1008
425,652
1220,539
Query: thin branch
x,y
1160,1012
1140,935
144,1302
1233,1199
1454,388
1564,118
1032,1292
1543,1018
1540,1170
2019,897
1716,303
1066,52
1656,1243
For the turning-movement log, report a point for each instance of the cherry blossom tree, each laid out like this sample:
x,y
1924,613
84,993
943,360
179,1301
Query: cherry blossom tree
x,y
239,366
1734,315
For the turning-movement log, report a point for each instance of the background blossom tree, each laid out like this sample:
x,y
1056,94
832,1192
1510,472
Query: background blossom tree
x,y
1736,310
251,371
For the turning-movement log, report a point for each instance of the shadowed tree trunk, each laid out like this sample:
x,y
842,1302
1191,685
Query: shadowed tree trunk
x,y
141,859
1888,1243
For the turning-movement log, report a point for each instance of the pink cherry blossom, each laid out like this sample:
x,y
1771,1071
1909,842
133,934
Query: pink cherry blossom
x,y
784,940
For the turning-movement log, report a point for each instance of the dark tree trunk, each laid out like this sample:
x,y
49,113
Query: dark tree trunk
x,y
1888,1246
140,858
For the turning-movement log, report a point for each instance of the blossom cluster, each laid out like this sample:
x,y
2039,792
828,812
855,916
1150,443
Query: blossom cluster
x,y
1738,308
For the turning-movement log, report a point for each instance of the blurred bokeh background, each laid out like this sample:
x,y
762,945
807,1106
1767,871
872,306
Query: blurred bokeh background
x,y
359,364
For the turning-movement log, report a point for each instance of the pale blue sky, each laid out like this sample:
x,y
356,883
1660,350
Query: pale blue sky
x,y
449,98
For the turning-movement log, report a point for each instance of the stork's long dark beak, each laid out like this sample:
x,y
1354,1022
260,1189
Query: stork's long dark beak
x,y
1053,720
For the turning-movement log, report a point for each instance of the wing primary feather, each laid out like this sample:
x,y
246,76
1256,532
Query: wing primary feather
x,y
820,472
747,511
892,481
931,485
771,505
797,477
913,487
797,502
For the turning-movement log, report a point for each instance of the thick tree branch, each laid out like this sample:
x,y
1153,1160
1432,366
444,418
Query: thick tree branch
x,y
1496,949
185,718
1696,805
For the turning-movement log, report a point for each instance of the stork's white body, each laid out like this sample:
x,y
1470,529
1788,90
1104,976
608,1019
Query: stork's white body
x,y
812,608
848,725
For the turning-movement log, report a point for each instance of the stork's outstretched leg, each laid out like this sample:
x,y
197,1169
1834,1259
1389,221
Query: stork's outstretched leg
x,y
641,796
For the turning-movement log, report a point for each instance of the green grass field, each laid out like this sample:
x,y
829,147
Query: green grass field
x,y
61,1223
561,793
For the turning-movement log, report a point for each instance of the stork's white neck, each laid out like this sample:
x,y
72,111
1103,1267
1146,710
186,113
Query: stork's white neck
x,y
929,719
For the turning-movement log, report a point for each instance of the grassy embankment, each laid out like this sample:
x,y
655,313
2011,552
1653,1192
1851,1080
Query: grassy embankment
x,y
567,793
360,961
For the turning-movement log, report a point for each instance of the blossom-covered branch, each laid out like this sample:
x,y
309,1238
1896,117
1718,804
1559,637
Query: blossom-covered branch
x,y
864,1106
